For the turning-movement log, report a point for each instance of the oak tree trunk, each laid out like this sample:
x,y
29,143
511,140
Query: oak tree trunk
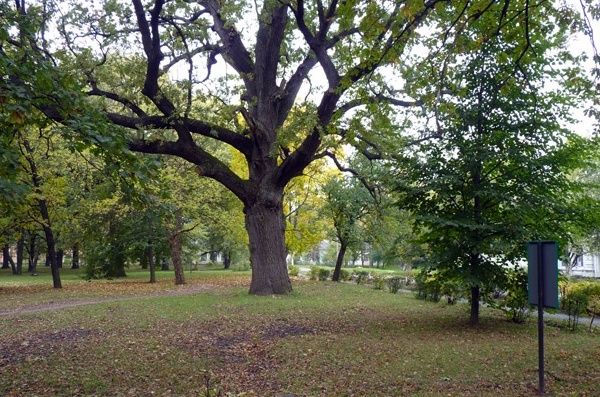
x,y
266,233
339,261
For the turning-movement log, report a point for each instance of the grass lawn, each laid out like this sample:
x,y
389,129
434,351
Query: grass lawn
x,y
325,339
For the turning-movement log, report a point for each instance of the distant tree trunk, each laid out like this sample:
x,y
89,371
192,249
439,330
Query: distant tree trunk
x,y
227,259
339,261
75,256
8,259
144,259
151,263
43,207
213,256
175,245
164,264
5,257
47,260
475,305
20,248
33,253
60,255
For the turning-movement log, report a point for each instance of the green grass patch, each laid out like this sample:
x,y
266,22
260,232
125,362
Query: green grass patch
x,y
324,339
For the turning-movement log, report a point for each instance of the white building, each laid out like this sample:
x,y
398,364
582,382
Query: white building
x,y
588,265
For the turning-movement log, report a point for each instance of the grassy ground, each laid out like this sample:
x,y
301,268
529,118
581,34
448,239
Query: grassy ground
x,y
325,339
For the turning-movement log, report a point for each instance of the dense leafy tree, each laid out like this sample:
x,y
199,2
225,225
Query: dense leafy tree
x,y
499,173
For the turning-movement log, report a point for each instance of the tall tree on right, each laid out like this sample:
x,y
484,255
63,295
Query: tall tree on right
x,y
497,175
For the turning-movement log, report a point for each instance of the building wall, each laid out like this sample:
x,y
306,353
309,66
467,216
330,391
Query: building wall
x,y
589,266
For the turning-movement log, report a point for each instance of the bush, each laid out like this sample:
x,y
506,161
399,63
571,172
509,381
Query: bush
x,y
593,309
576,297
452,289
361,276
293,271
241,266
378,281
428,286
394,284
314,272
344,274
516,301
324,274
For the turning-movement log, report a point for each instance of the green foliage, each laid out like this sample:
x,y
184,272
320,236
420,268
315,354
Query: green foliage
x,y
379,281
345,274
361,276
241,266
394,284
428,285
314,272
576,297
516,302
324,274
293,270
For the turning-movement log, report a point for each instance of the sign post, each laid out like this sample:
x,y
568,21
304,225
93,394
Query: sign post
x,y
542,258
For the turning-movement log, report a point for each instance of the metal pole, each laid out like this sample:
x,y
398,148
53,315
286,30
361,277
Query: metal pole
x,y
540,272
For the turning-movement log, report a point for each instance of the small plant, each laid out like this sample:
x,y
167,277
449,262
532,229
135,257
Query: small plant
x,y
314,272
428,286
324,274
361,276
394,284
378,282
593,309
293,270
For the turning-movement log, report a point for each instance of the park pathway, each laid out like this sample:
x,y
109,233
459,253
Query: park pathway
x,y
51,306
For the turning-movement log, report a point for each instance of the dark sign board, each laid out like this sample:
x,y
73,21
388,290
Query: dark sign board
x,y
546,252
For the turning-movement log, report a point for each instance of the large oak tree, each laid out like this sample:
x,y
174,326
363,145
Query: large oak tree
x,y
150,64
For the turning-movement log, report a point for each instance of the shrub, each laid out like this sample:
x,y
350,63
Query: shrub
x,y
452,289
593,309
575,299
324,274
394,284
314,272
344,274
378,281
293,271
241,266
361,276
428,286
516,301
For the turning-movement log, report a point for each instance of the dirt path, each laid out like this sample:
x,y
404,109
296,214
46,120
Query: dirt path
x,y
50,306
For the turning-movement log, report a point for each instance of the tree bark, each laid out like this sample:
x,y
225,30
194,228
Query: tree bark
x,y
266,233
164,264
5,257
175,245
75,256
20,248
227,259
339,262
60,255
475,305
151,264
33,253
